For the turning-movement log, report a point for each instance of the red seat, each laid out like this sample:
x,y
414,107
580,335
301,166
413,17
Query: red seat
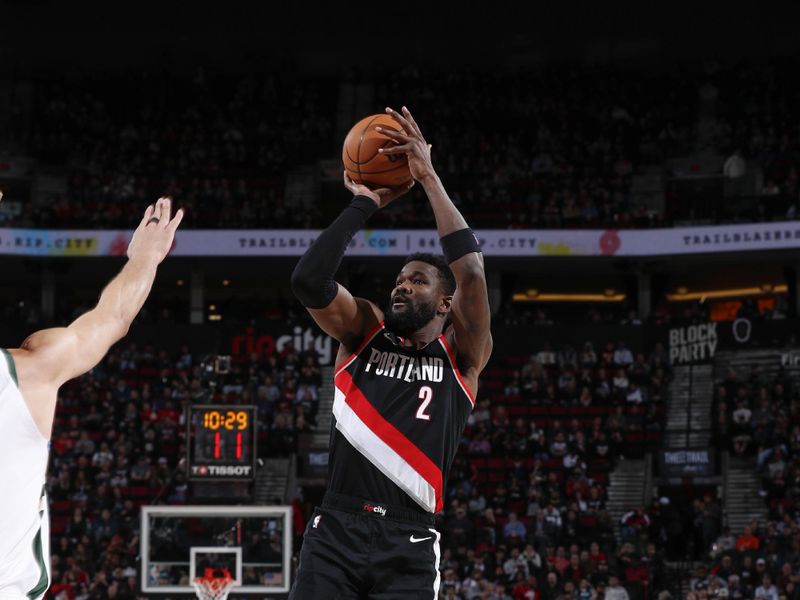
x,y
588,521
62,507
58,523
136,492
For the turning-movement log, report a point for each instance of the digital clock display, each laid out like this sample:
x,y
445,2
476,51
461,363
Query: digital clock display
x,y
232,420
222,442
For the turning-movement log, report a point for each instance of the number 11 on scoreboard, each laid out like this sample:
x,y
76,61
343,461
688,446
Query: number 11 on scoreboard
x,y
217,443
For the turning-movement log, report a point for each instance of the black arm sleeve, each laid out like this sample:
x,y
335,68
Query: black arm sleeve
x,y
312,279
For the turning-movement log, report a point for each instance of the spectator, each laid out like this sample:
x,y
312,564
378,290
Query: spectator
x,y
588,357
622,356
726,541
747,541
634,394
767,589
514,529
551,589
633,522
734,170
615,591
585,590
532,559
515,565
459,528
546,356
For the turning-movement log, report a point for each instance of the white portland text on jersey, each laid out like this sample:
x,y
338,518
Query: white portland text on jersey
x,y
407,368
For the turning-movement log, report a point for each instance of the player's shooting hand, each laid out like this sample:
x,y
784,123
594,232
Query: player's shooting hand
x,y
154,235
410,142
381,196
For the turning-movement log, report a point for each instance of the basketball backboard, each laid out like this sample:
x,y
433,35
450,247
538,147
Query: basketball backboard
x,y
253,543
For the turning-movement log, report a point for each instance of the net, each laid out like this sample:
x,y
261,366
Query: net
x,y
213,586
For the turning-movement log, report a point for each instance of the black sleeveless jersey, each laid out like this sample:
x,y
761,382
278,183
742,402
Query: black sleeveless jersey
x,y
398,417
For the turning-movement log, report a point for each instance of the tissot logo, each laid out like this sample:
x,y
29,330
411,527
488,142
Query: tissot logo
x,y
380,510
222,470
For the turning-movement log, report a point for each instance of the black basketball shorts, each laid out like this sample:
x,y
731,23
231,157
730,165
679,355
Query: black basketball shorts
x,y
354,550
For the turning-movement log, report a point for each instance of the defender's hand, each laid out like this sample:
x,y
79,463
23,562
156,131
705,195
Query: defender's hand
x,y
156,232
410,142
380,196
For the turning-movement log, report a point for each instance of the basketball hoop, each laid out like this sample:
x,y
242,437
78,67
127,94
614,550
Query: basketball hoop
x,y
213,587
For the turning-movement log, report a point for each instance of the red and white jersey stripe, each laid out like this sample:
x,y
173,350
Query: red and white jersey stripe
x,y
399,414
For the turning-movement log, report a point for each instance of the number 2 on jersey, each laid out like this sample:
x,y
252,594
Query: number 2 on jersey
x,y
426,395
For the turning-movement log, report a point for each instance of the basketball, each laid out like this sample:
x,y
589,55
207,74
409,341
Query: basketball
x,y
362,161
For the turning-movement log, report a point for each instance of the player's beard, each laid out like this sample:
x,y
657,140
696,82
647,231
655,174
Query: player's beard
x,y
409,319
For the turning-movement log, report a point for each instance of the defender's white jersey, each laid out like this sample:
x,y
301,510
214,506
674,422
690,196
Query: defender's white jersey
x,y
24,531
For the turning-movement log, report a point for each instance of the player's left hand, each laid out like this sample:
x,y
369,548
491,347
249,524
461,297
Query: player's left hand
x,y
410,142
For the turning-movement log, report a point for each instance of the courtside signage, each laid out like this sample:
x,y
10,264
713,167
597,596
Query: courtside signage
x,y
400,242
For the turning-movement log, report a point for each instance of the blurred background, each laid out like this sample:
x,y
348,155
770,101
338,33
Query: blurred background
x,y
632,173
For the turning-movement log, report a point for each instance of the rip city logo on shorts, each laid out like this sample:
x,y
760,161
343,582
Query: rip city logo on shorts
x,y
371,508
316,521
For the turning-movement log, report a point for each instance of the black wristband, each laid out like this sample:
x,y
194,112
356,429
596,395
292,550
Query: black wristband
x,y
457,244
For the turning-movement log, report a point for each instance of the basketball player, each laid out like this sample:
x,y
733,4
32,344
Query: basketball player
x,y
29,380
405,381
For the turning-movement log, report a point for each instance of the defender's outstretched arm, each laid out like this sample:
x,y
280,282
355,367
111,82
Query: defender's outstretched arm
x,y
50,357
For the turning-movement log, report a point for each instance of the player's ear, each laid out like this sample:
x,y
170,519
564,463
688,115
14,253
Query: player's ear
x,y
445,305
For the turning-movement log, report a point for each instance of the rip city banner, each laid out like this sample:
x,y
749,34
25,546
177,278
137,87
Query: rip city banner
x,y
744,237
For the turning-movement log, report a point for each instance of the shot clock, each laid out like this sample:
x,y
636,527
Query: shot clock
x,y
222,442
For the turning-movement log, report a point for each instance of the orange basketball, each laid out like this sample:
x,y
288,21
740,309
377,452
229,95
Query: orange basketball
x,y
362,161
